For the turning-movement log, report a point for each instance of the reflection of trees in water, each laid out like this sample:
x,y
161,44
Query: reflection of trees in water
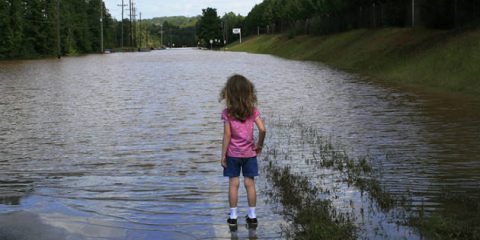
x,y
11,192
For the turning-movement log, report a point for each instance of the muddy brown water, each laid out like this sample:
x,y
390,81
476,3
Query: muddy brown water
x,y
126,146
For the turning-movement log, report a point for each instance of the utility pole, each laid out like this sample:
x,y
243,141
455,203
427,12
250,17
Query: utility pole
x,y
131,23
140,29
123,8
59,51
133,26
101,26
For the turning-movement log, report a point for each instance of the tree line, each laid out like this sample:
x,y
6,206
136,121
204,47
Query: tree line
x,y
195,31
218,29
30,28
37,28
327,16
51,27
330,16
176,31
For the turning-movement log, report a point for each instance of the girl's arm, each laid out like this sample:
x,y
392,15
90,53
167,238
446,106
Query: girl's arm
x,y
226,140
262,131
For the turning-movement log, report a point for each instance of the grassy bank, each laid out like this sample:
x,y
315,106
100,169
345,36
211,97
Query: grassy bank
x,y
445,61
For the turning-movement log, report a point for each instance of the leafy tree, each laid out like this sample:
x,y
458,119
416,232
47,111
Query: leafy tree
x,y
28,28
438,13
4,27
15,35
180,21
209,26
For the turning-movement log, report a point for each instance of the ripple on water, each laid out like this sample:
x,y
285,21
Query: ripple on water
x,y
127,145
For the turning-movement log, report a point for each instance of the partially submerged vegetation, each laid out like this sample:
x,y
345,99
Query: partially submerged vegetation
x,y
358,173
458,219
311,217
444,60
311,214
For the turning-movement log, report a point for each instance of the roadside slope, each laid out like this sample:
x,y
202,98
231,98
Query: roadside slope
x,y
446,61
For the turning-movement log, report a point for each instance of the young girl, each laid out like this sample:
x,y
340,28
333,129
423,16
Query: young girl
x,y
239,152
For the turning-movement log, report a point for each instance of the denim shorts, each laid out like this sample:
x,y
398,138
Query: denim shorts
x,y
248,166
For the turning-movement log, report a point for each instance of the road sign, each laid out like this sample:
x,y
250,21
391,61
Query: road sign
x,y
237,31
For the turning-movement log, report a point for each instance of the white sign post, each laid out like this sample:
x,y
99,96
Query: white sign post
x,y
238,31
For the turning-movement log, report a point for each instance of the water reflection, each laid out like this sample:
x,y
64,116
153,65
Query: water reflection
x,y
132,140
10,200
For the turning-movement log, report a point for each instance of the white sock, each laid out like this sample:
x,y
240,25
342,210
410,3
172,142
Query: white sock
x,y
251,212
233,213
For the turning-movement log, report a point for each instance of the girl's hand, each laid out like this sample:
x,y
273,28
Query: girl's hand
x,y
258,149
224,162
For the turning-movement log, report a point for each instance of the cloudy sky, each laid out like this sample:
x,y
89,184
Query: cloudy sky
x,y
159,8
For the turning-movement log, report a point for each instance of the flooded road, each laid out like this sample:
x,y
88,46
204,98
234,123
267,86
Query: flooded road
x,y
126,146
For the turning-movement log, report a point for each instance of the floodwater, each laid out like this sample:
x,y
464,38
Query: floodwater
x,y
126,146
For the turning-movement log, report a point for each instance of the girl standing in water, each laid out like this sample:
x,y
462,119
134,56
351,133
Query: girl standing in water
x,y
239,151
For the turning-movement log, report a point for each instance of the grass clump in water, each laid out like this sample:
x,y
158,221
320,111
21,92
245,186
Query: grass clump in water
x,y
358,173
459,218
311,218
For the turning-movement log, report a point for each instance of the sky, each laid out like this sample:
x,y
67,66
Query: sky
x,y
161,8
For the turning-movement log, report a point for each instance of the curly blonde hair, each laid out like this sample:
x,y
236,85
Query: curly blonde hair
x,y
240,96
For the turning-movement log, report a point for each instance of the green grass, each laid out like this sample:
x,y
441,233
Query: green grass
x,y
438,60
458,219
311,215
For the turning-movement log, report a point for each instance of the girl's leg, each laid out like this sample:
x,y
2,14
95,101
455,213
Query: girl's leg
x,y
251,192
234,183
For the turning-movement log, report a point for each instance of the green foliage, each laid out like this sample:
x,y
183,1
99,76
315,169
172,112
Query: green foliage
x,y
178,31
457,220
180,21
209,26
428,59
173,35
4,28
327,16
230,21
310,217
28,28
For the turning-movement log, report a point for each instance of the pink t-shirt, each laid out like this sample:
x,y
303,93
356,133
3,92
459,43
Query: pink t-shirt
x,y
241,143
